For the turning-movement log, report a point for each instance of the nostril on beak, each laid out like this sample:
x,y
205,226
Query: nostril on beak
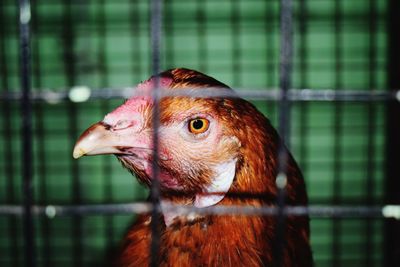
x,y
105,125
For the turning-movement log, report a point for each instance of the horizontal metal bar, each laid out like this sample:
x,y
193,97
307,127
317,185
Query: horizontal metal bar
x,y
83,94
322,211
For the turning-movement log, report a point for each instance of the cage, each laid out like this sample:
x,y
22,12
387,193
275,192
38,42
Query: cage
x,y
65,64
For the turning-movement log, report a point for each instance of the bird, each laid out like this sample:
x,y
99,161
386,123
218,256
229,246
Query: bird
x,y
212,151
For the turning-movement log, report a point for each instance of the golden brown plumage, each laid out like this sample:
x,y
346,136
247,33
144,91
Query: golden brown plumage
x,y
238,137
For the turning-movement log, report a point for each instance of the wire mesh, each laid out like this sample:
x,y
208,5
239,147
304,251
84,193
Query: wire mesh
x,y
156,30
26,108
351,120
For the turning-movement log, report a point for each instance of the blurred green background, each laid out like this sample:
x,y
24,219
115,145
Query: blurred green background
x,y
338,45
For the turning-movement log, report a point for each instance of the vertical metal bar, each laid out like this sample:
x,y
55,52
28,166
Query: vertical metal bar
x,y
26,112
286,51
136,47
236,51
303,54
286,27
106,165
46,250
156,31
69,61
9,168
392,166
169,34
337,153
202,33
371,111
270,51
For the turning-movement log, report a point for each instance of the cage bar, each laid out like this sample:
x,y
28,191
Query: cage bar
x,y
392,167
26,112
39,112
285,73
54,96
316,211
239,21
9,173
156,32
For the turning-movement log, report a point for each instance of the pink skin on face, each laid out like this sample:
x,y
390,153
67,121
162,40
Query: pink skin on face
x,y
132,108
127,122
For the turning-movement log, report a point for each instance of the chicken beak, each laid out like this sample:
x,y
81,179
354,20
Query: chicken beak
x,y
97,139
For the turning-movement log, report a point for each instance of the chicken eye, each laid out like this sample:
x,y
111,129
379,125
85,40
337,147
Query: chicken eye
x,y
198,126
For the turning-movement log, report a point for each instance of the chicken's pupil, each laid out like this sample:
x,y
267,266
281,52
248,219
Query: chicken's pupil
x,y
197,124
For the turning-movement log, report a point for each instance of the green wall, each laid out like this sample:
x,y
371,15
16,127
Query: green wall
x,y
103,44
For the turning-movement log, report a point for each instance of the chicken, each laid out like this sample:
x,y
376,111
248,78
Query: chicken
x,y
212,151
